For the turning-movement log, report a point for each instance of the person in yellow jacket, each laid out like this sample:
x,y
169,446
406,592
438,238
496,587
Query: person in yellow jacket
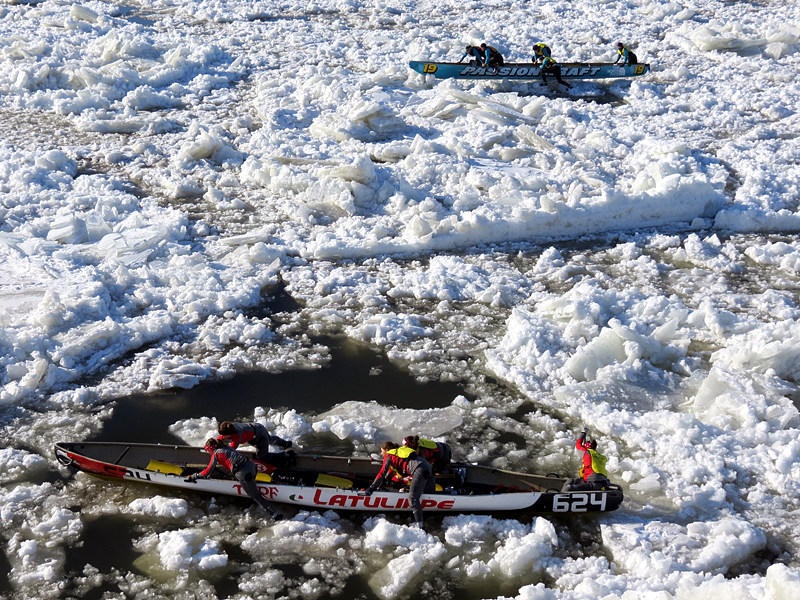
x,y
551,67
438,454
593,474
403,461
540,52
626,55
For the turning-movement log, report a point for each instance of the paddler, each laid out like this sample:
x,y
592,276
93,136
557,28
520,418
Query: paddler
x,y
257,435
625,54
593,474
551,67
476,54
403,461
237,464
540,52
492,57
438,454
486,56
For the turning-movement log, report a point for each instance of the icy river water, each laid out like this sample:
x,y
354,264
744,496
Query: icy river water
x,y
256,210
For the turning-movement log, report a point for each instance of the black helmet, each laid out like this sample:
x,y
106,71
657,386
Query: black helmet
x,y
468,47
620,45
483,45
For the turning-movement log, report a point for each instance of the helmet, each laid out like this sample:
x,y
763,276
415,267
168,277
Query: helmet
x,y
468,47
593,444
620,45
483,45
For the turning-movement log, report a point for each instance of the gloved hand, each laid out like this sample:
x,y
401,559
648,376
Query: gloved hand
x,y
191,479
366,492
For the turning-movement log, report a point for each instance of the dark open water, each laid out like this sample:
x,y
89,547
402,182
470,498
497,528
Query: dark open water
x,y
106,542
147,417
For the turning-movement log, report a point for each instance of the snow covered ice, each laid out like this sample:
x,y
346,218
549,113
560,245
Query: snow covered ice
x,y
622,256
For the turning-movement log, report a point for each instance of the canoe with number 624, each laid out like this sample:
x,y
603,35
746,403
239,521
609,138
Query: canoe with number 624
x,y
333,482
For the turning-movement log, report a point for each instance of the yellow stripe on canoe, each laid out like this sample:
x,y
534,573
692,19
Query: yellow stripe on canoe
x,y
333,481
163,467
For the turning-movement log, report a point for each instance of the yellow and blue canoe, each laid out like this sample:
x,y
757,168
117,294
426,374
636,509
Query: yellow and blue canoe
x,y
528,71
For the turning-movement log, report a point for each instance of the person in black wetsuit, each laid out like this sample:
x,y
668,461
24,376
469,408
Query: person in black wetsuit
x,y
626,54
476,53
403,461
438,454
257,435
492,57
551,67
540,52
242,468
485,56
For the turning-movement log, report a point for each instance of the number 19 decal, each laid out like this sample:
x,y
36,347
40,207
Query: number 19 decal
x,y
595,501
639,69
429,68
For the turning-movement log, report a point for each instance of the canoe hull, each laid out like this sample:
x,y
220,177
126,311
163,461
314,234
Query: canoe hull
x,y
300,486
528,71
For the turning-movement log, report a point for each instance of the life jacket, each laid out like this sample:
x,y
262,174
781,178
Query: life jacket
x,y
548,62
630,58
427,449
423,443
541,49
405,453
598,464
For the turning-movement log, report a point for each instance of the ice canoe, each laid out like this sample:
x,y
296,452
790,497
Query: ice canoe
x,y
528,71
332,482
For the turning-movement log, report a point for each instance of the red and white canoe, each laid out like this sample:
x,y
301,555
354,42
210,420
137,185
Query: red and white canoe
x,y
332,482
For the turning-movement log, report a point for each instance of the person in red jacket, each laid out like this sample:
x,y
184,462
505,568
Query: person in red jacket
x,y
403,461
593,474
438,454
256,435
238,465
